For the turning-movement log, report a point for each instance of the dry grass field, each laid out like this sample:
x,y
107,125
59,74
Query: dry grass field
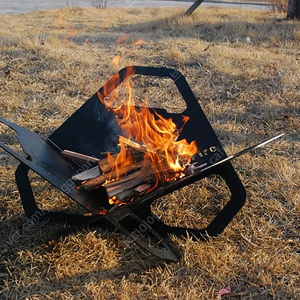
x,y
243,66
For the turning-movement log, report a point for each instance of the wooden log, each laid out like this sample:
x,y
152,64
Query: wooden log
x,y
134,145
97,181
130,195
144,178
129,181
125,196
141,189
144,175
78,156
129,185
103,167
87,174
104,164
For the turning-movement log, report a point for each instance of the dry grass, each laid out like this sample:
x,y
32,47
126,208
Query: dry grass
x,y
51,62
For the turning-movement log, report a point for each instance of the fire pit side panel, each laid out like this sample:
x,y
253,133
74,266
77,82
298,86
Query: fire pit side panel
x,y
90,130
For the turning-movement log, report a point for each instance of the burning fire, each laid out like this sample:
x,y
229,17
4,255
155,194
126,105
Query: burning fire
x,y
156,137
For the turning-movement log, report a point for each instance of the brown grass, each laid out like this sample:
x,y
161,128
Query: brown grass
x,y
53,61
278,5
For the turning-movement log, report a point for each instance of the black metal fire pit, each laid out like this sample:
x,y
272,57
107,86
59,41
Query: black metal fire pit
x,y
135,219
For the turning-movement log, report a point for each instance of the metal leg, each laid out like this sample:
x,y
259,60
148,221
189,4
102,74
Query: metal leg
x,y
38,215
222,219
141,232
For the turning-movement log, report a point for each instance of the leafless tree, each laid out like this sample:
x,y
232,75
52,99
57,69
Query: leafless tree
x,y
293,11
99,3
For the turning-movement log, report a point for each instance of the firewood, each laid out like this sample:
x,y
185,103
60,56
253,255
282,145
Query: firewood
x,y
145,175
130,181
128,185
134,145
97,181
103,167
104,164
78,156
87,174
130,195
124,196
119,203
141,189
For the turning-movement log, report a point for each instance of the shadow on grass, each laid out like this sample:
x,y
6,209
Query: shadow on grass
x,y
231,31
267,120
43,241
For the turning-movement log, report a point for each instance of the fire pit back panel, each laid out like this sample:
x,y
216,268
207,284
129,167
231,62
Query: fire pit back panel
x,y
90,130
93,129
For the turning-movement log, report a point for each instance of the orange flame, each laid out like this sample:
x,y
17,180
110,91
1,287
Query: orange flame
x,y
167,155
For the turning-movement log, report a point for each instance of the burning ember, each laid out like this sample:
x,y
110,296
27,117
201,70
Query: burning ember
x,y
151,153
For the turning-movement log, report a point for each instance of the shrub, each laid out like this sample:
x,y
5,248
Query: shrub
x,y
278,5
99,3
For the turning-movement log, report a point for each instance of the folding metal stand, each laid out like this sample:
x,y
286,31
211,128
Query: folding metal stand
x,y
136,218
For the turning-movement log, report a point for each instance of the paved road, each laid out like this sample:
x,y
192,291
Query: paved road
x,y
23,6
